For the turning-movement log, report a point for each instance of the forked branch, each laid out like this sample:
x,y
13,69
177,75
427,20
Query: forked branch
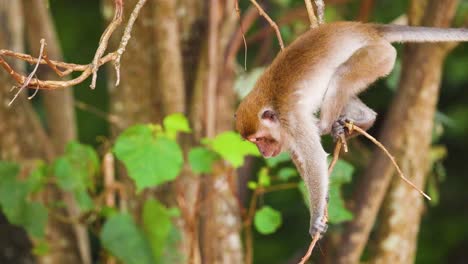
x,y
62,68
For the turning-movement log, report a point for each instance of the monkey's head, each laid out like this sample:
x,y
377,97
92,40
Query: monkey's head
x,y
261,126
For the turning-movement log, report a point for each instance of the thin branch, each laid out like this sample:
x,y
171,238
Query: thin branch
x,y
125,38
310,249
320,10
86,70
272,23
311,13
35,93
105,40
112,119
232,51
28,79
352,127
336,155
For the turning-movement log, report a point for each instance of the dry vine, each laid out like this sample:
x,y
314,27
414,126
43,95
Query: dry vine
x,y
63,69
270,21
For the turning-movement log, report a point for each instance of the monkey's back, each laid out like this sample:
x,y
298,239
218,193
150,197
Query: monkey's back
x,y
300,73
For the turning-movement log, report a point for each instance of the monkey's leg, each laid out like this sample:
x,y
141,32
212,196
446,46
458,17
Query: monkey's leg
x,y
356,112
364,67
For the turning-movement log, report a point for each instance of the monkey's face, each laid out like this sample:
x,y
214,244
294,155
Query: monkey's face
x,y
262,129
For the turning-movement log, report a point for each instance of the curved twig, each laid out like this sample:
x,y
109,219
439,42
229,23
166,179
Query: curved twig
x,y
352,127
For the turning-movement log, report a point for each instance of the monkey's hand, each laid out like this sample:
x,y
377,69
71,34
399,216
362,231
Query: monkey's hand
x,y
317,226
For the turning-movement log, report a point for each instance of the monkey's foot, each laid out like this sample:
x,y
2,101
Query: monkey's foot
x,y
339,129
318,227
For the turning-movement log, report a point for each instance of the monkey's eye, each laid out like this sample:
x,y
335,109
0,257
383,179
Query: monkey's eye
x,y
269,114
235,116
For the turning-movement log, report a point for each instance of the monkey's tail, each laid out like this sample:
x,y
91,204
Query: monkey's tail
x,y
398,33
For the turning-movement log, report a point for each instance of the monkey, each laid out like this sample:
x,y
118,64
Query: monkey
x,y
311,88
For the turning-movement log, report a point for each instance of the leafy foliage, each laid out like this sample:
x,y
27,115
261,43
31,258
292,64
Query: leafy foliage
x,y
75,172
231,147
122,238
174,124
275,161
151,158
342,174
15,204
267,220
157,228
201,159
287,173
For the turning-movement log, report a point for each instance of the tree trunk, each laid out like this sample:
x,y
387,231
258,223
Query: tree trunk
x,y
166,69
406,133
420,83
22,136
59,106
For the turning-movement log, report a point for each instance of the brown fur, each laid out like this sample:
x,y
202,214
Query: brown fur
x,y
324,69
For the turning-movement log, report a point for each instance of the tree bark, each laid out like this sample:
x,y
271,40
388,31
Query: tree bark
x,y
406,133
58,105
221,242
420,83
22,136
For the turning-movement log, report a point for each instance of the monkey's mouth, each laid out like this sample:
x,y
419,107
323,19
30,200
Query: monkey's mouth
x,y
270,153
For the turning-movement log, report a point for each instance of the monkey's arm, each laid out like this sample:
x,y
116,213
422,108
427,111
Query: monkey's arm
x,y
311,161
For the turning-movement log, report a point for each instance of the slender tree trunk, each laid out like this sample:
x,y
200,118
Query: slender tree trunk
x,y
221,241
58,104
22,136
406,133
397,235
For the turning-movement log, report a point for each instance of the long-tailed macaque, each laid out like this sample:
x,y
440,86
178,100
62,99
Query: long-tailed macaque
x,y
323,70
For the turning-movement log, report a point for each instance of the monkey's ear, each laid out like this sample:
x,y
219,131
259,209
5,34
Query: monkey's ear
x,y
269,115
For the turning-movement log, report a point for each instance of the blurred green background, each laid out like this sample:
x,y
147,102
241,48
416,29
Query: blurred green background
x,y
444,230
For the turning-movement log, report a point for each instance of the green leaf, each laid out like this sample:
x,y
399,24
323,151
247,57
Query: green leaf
x,y
232,147
394,77
201,160
77,167
174,124
267,220
274,161
32,216
8,171
264,178
283,3
41,248
252,185
122,238
150,158
287,173
337,212
157,225
84,200
37,178
342,173
107,211
34,219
